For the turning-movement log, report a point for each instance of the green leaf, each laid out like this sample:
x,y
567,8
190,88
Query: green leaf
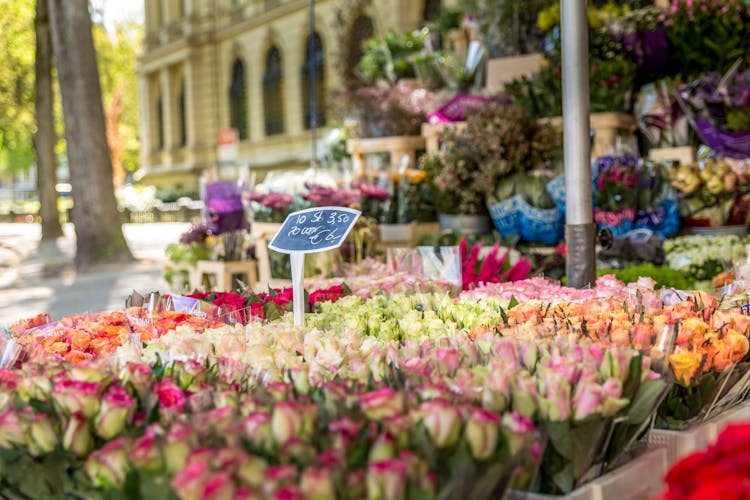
x,y
585,437
513,302
633,379
645,400
559,436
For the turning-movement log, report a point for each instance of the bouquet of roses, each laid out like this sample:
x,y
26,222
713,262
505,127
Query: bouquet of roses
x,y
616,195
270,207
694,477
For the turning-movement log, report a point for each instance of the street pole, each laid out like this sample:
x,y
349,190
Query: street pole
x,y
580,232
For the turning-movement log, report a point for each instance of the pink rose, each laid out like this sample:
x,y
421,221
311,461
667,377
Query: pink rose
x,y
114,413
145,454
219,486
170,396
257,429
382,403
286,421
108,466
73,396
482,433
442,421
77,437
586,401
386,479
317,484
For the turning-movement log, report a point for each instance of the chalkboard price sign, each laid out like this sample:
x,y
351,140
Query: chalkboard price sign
x,y
314,230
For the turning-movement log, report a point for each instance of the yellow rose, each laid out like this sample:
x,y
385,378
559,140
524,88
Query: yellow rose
x,y
685,366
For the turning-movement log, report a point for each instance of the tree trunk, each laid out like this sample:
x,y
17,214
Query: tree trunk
x,y
95,217
44,141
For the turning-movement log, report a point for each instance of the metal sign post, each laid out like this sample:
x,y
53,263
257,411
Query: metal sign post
x,y
580,231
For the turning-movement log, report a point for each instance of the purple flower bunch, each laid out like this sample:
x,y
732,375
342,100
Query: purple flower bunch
x,y
196,234
371,191
322,196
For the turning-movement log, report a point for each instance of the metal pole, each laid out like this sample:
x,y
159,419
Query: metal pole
x,y
313,96
580,232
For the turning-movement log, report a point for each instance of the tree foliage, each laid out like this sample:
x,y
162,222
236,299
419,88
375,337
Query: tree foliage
x,y
17,121
116,56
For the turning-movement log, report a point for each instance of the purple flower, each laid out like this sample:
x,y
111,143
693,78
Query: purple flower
x,y
196,234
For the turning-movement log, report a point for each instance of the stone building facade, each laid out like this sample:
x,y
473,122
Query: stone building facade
x,y
213,65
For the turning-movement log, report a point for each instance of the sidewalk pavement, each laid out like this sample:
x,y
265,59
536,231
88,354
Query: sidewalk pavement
x,y
37,278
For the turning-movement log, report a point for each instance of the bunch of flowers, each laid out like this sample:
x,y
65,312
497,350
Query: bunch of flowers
x,y
192,247
372,277
706,35
693,477
88,336
391,110
713,194
322,196
500,139
552,292
270,207
703,257
198,431
565,388
616,195
238,308
491,268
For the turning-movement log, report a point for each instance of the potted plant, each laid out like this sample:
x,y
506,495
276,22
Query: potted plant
x,y
498,140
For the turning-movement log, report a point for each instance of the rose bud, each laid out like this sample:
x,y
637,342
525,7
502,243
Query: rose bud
x,y
298,450
146,454
73,396
171,397
317,484
114,414
356,481
108,466
285,422
277,477
37,387
191,480
300,378
86,374
13,429
228,398
386,480
177,446
140,376
41,435
383,448
383,403
482,433
257,429
219,486
588,397
251,470
288,492
442,421
518,430
77,437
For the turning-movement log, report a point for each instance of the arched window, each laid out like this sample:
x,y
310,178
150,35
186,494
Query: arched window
x,y
238,100
362,29
318,63
431,10
181,117
273,93
159,124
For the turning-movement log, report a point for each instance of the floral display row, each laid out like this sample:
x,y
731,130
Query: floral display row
x,y
392,396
